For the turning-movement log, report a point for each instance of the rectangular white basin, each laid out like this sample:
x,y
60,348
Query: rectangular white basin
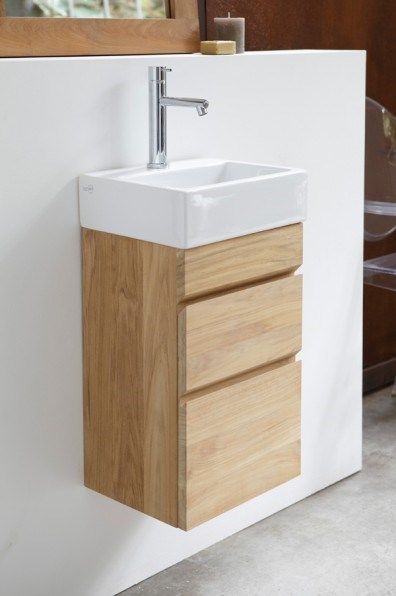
x,y
193,202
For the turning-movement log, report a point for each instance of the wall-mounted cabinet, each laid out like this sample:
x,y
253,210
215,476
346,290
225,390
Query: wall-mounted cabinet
x,y
191,389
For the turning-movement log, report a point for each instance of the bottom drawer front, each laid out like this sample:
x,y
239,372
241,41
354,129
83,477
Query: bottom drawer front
x,y
237,442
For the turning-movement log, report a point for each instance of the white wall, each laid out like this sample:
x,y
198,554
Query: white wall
x,y
62,117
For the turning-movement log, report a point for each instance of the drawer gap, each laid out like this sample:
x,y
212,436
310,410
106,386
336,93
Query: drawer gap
x,y
245,285
254,372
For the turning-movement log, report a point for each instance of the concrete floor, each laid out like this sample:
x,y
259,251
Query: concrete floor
x,y
341,541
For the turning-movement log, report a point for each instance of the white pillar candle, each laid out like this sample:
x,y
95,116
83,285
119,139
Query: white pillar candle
x,y
231,29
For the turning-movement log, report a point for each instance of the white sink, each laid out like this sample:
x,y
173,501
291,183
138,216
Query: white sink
x,y
193,202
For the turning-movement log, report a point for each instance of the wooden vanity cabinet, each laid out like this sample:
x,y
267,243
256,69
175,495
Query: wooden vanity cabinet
x,y
191,389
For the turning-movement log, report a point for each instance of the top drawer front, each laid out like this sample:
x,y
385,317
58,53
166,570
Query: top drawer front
x,y
239,260
224,336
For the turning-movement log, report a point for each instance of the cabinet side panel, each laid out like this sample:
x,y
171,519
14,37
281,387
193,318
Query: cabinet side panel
x,y
129,422
113,361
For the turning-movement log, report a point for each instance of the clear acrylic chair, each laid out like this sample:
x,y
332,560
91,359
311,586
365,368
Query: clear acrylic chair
x,y
380,194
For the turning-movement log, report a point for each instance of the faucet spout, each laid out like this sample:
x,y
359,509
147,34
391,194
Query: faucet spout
x,y
201,105
158,104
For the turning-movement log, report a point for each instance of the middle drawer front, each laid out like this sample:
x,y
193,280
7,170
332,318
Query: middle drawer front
x,y
224,336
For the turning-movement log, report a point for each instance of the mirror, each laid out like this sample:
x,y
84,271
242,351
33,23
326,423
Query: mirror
x,y
91,9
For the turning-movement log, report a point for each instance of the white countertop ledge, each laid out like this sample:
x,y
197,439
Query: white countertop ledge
x,y
155,57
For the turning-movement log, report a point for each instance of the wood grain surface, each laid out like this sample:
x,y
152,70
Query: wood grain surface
x,y
130,372
37,36
240,260
238,442
183,9
223,336
148,443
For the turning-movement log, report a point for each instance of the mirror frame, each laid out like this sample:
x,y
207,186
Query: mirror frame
x,y
41,36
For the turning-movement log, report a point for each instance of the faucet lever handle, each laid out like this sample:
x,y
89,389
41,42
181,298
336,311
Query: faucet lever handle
x,y
157,74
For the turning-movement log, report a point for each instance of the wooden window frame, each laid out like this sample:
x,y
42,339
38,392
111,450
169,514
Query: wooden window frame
x,y
40,36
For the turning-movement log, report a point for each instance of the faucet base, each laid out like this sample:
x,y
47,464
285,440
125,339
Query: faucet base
x,y
157,166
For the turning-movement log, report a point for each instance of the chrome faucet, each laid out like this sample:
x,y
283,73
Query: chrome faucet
x,y
158,102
